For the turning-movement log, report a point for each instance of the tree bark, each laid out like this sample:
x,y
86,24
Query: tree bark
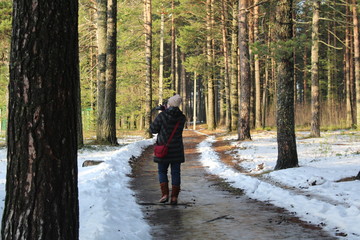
x,y
195,101
176,70
210,62
258,122
356,61
347,58
161,62
224,20
287,154
80,137
173,50
315,98
233,71
101,69
41,184
109,118
244,120
183,84
148,62
305,84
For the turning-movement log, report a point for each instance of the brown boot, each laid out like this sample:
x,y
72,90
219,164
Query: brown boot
x,y
174,194
165,192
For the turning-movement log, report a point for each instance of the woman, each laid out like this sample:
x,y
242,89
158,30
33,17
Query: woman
x,y
164,124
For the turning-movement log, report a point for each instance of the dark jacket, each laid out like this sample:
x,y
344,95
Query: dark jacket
x,y
164,124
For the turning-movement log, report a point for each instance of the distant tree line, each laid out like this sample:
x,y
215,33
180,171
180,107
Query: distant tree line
x,y
203,40
243,61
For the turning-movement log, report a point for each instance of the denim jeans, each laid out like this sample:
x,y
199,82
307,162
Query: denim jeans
x,y
175,173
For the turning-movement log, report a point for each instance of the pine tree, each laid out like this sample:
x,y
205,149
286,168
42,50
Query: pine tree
x,y
245,83
41,183
287,154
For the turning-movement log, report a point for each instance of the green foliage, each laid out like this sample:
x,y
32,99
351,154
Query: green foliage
x,y
5,19
196,64
192,38
5,29
5,34
130,62
4,80
283,49
191,31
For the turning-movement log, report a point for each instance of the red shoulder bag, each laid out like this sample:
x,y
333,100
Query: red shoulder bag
x,y
161,151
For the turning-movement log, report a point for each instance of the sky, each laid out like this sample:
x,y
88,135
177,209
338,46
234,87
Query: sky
x,y
108,208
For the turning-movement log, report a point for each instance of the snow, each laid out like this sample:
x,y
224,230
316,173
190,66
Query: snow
x,y
311,191
108,208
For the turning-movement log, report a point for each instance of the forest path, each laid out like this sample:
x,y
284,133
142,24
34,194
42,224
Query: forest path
x,y
208,208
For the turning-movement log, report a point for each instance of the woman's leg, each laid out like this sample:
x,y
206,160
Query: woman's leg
x,y
176,181
175,174
164,182
162,172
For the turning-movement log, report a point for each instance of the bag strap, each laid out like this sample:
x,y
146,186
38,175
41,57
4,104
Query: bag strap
x,y
173,132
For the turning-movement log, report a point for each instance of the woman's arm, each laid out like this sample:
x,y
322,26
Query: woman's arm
x,y
155,126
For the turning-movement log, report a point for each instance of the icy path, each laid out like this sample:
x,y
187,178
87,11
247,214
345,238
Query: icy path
x,y
334,218
207,208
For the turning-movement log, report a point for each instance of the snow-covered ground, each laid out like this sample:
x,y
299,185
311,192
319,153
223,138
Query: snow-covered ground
x,y
311,191
108,208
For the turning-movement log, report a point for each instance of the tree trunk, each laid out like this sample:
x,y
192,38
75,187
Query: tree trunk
x,y
305,84
161,62
294,60
224,20
287,154
195,102
148,62
183,84
250,41
258,122
80,137
109,118
265,94
210,62
330,67
220,100
41,184
352,82
356,61
93,61
266,87
101,69
173,52
244,121
176,70
315,98
233,76
347,58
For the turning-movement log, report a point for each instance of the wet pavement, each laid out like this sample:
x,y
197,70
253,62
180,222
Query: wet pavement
x,y
208,208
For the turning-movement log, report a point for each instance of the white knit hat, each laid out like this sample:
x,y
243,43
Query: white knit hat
x,y
174,101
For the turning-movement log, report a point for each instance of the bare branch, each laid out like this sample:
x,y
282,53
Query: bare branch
x,y
331,46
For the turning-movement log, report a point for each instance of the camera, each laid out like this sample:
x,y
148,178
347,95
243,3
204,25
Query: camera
x,y
162,107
